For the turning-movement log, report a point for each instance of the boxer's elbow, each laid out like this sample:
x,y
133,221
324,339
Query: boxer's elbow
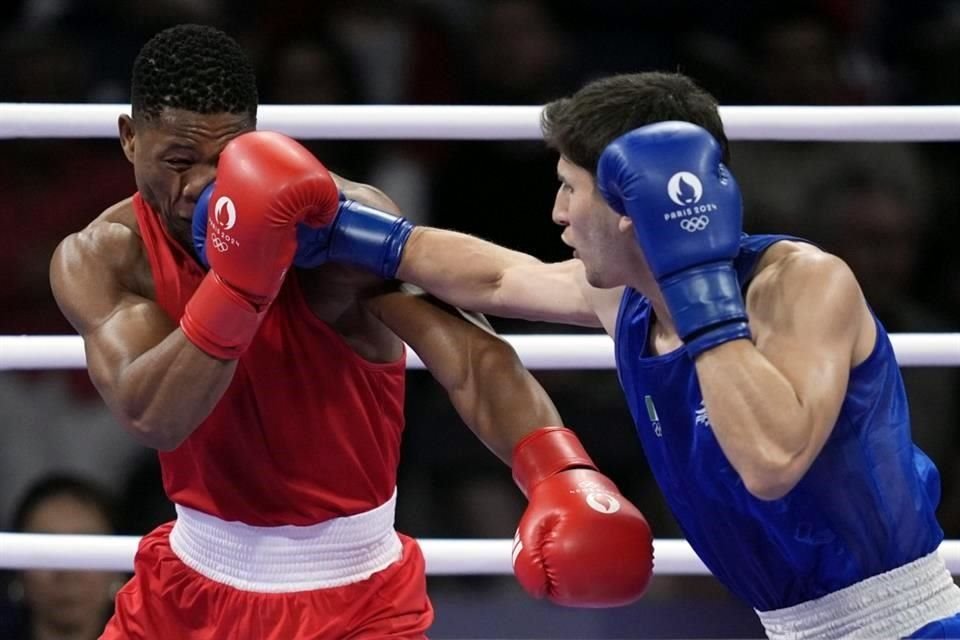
x,y
773,477
156,433
157,415
766,488
496,372
484,368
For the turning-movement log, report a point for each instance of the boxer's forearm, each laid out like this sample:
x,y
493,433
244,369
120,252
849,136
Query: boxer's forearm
x,y
163,395
481,276
500,401
767,431
773,404
460,269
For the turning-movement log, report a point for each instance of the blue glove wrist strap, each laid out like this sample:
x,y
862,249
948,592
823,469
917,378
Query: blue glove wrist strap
x,y
369,238
706,305
715,336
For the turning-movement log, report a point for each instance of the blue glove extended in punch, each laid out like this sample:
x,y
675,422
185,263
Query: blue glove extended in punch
x,y
687,215
359,235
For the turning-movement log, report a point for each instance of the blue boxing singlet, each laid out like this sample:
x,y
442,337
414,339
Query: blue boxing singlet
x,y
865,506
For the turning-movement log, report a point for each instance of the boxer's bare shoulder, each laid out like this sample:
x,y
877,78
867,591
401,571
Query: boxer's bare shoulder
x,y
121,213
106,254
795,279
112,237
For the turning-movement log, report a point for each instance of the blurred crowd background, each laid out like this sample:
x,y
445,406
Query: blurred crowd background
x,y
890,210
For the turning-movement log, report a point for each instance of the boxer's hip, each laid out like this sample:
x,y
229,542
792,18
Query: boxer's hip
x,y
287,559
202,578
891,604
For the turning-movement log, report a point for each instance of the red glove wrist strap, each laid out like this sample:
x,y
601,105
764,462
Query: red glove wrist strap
x,y
545,452
218,320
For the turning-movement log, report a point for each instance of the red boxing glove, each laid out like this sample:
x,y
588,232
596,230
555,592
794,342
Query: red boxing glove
x,y
580,543
266,184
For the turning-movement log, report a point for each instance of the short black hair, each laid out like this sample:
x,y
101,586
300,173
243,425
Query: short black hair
x,y
194,68
582,125
56,485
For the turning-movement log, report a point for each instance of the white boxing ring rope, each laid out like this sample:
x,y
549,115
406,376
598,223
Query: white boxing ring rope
x,y
444,557
567,351
461,556
434,122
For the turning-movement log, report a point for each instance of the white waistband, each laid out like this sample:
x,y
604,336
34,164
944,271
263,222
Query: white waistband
x,y
288,558
889,605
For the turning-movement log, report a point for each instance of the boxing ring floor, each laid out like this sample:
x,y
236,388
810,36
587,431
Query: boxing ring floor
x,y
457,557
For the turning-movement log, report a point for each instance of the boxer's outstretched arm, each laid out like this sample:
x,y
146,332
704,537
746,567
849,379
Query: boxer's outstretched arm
x,y
157,384
470,273
492,392
475,274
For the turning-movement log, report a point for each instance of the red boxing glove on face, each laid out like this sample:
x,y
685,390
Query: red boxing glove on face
x,y
580,543
266,184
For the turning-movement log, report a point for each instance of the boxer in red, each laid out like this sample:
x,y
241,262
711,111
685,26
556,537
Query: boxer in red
x,y
274,394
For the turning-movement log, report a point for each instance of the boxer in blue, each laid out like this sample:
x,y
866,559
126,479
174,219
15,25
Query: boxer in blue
x,y
764,391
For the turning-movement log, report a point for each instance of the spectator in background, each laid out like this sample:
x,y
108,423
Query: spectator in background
x,y
63,605
506,66
309,68
803,57
798,57
876,225
51,419
927,51
40,176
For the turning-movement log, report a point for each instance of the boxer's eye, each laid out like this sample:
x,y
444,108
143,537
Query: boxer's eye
x,y
178,164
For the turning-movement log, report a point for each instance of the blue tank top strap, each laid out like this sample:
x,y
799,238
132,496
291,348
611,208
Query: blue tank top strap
x,y
751,249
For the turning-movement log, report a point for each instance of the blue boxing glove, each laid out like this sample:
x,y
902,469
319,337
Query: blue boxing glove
x,y
312,243
687,214
359,235
199,224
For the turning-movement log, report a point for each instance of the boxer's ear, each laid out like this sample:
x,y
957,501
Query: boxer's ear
x,y
127,136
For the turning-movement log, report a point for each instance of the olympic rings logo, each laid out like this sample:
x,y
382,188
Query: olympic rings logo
x,y
220,245
697,223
